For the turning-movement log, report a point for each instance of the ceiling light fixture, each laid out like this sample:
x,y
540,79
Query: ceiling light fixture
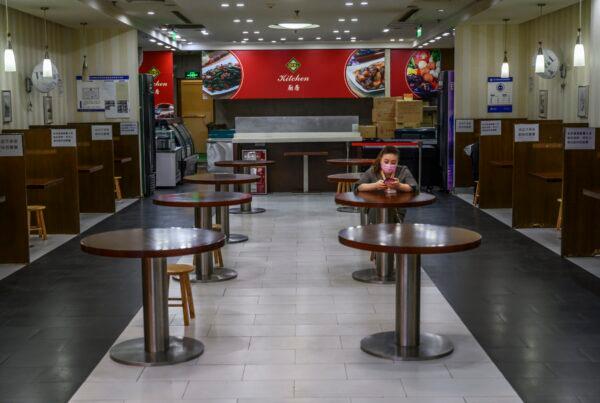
x,y
354,19
392,40
364,3
337,38
346,31
318,38
224,5
540,65
240,5
10,65
260,39
294,24
204,32
249,20
386,30
256,32
85,74
282,39
349,4
300,38
237,20
47,63
273,41
505,69
341,20
400,39
159,44
440,10
244,32
579,51
150,12
446,34
336,31
152,40
437,38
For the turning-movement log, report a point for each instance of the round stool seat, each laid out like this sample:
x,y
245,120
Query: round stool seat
x,y
36,208
176,269
344,178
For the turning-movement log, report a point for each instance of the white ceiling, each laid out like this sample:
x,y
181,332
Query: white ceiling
x,y
518,11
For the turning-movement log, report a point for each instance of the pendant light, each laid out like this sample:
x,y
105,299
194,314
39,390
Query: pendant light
x,y
579,51
505,69
540,63
9,55
85,74
47,64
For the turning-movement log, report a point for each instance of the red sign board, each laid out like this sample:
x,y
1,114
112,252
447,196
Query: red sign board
x,y
160,65
415,72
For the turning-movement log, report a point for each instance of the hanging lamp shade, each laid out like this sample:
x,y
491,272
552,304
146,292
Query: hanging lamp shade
x,y
85,74
10,64
540,64
505,69
47,66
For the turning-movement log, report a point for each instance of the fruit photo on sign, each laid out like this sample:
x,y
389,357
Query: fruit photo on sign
x,y
423,71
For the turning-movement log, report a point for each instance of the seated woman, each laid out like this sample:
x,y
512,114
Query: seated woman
x,y
385,173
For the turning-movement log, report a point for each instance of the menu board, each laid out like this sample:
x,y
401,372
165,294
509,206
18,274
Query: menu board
x,y
580,138
64,137
527,133
11,145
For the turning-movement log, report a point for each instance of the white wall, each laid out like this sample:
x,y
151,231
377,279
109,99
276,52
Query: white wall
x,y
593,53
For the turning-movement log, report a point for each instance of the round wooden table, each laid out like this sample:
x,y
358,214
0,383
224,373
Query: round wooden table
x,y
222,181
354,163
344,182
245,167
383,204
153,246
203,202
408,242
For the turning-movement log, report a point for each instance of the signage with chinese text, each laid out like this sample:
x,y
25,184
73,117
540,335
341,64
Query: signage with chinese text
x,y
64,137
101,132
580,138
11,145
527,133
490,128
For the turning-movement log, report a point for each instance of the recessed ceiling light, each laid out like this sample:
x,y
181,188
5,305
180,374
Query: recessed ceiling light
x,y
152,40
338,38
349,3
249,20
354,19
353,38
420,46
239,4
364,3
260,39
163,28
432,41
282,39
446,34
300,38
204,32
385,30
273,41
341,20
224,5
183,40
401,40
437,38
237,20
256,32
346,31
318,38
440,10
392,40
150,12
159,44
244,39
190,43
336,31
294,25
244,32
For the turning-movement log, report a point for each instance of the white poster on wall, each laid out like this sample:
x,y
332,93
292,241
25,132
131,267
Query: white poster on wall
x,y
500,95
11,145
527,133
580,138
108,94
101,132
129,129
64,137
490,128
465,126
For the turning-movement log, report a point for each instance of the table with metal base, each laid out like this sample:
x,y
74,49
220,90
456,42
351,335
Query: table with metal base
x,y
203,202
345,182
354,164
245,166
305,166
384,205
407,242
153,246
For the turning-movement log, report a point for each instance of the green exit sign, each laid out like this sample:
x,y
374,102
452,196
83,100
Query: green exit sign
x,y
192,75
419,31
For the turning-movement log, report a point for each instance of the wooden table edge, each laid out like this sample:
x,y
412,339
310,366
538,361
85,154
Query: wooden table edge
x,y
221,182
152,254
379,205
245,200
434,250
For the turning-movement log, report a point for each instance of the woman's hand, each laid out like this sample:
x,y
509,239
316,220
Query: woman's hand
x,y
379,185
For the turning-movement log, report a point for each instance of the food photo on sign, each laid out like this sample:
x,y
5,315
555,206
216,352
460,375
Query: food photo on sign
x,y
365,72
415,73
221,73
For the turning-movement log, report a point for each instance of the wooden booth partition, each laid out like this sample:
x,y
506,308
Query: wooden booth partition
x,y
127,161
14,238
581,202
52,180
95,167
537,178
463,169
496,166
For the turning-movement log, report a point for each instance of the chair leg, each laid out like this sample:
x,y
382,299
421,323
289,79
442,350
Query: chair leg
x,y
476,195
190,299
184,300
118,194
29,222
339,188
560,215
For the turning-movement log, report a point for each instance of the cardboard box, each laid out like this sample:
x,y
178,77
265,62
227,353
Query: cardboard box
x,y
384,108
367,130
385,129
409,112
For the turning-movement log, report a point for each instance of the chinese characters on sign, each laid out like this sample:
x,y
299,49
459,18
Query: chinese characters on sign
x,y
464,126
11,145
101,132
64,137
129,129
580,138
500,91
527,133
491,128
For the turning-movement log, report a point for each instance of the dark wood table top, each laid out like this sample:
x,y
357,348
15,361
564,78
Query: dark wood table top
x,y
89,169
152,242
244,163
350,161
307,153
202,199
221,179
409,238
123,160
381,200
42,183
502,164
593,193
548,176
347,177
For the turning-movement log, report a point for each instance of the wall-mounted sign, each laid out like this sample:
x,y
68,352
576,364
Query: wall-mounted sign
x,y
108,94
129,129
101,132
465,126
419,31
11,145
64,137
500,95
527,133
580,138
193,75
416,72
160,65
490,128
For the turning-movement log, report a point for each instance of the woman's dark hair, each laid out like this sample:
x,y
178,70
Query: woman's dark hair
x,y
386,150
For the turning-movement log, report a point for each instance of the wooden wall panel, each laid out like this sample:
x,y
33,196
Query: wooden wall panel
x,y
96,189
14,237
581,214
126,147
44,161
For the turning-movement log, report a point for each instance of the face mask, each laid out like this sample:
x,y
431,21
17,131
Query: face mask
x,y
388,169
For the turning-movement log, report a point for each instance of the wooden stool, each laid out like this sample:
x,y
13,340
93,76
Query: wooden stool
x,y
560,214
187,302
217,256
118,194
39,219
476,195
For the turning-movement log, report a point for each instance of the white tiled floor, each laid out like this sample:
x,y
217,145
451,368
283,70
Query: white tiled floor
x,y
288,329
39,248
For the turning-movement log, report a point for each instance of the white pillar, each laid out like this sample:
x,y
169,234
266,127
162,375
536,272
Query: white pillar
x,y
593,54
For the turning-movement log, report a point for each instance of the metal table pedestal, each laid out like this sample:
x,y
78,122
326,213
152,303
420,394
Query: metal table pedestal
x,y
406,343
156,347
222,218
246,208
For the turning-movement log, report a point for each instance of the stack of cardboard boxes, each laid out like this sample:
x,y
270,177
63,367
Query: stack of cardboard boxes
x,y
390,113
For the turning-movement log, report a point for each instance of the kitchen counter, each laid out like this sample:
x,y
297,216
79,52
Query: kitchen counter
x,y
296,137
